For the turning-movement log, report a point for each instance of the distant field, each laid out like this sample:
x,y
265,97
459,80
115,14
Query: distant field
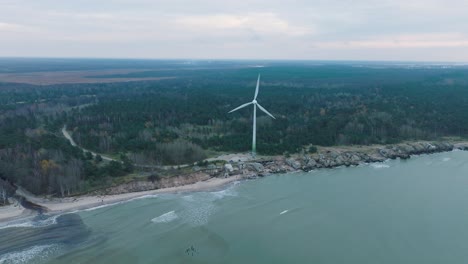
x,y
47,71
70,77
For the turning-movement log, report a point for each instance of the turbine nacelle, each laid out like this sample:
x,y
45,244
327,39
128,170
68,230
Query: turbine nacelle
x,y
254,101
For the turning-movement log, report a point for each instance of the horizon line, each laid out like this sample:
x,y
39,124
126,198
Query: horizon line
x,y
230,59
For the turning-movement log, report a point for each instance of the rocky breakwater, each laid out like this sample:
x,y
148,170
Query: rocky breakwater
x,y
325,158
335,157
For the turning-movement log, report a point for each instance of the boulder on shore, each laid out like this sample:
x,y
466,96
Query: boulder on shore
x,y
258,167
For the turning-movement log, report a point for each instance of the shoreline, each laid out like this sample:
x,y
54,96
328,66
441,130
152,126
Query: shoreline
x,y
13,212
58,206
327,157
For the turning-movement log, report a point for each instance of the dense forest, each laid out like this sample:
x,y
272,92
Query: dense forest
x,y
185,119
320,105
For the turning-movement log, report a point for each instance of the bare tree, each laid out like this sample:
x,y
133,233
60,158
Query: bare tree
x,y
3,194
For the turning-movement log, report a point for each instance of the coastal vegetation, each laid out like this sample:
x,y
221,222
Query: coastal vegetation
x,y
183,119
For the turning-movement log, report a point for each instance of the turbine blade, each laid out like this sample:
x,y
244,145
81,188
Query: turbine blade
x,y
242,106
256,89
264,110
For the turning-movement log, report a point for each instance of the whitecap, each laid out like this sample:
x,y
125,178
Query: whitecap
x,y
40,252
165,218
379,166
98,207
188,198
228,192
197,207
446,159
285,211
223,193
34,222
198,215
149,196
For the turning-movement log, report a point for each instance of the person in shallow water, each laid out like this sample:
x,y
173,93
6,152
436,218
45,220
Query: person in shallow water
x,y
189,251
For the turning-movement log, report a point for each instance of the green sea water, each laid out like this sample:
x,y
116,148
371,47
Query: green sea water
x,y
411,211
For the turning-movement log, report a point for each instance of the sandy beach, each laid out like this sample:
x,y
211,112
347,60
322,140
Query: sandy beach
x,y
69,204
11,212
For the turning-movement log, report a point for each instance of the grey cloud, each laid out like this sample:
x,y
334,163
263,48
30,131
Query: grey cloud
x,y
300,29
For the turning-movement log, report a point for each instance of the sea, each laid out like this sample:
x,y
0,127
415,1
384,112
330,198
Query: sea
x,y
398,211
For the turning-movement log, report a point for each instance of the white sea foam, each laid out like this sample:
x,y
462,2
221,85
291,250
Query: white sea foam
x,y
188,198
148,196
446,159
165,218
99,207
379,165
198,215
116,203
199,206
285,211
224,193
36,253
34,222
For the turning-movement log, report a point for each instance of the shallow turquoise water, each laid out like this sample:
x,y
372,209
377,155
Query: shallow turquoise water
x,y
413,211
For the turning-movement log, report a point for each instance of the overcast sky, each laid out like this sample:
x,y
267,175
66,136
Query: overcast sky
x,y
409,30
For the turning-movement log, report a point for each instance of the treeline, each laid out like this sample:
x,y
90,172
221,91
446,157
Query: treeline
x,y
328,105
35,155
50,165
181,120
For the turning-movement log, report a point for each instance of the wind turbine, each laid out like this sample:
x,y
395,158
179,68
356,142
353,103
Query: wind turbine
x,y
255,104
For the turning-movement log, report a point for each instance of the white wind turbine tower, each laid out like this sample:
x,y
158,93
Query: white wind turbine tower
x,y
255,104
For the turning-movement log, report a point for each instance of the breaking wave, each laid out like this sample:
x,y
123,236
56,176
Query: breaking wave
x,y
35,253
165,218
199,206
40,221
117,203
379,166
